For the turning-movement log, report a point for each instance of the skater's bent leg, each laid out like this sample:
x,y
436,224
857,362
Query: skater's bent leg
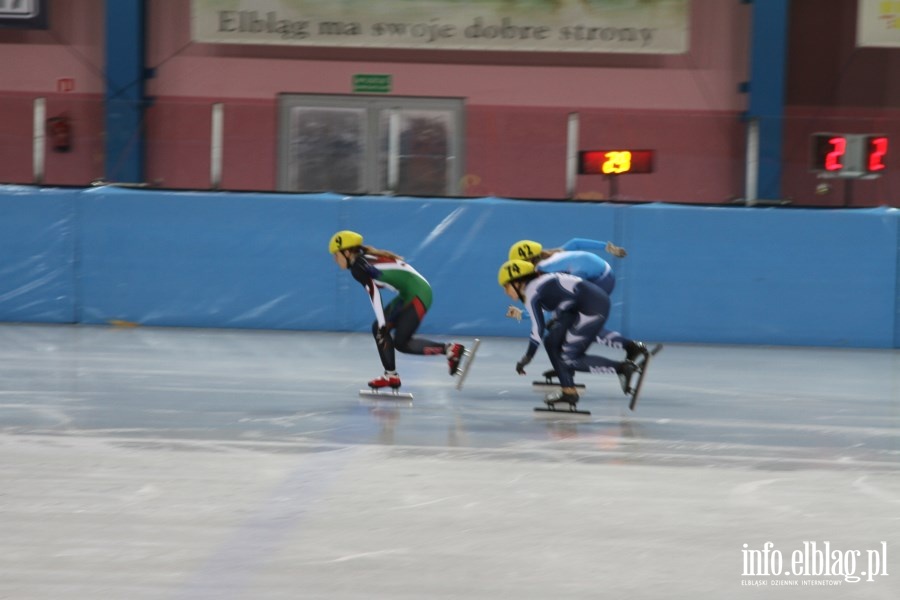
x,y
553,344
612,339
385,345
588,363
408,321
578,339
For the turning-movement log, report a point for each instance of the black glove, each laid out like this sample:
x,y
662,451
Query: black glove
x,y
520,366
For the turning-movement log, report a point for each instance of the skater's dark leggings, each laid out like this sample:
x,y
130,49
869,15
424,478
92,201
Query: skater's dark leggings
x,y
403,320
567,342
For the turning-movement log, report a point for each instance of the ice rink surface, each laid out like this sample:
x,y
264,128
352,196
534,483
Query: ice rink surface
x,y
189,464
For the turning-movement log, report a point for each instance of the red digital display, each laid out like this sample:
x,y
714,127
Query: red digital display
x,y
849,154
834,159
828,152
614,162
876,151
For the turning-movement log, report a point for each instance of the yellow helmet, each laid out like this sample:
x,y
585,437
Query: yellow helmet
x,y
525,250
343,240
514,269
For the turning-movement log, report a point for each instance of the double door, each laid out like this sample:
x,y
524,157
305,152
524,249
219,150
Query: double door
x,y
369,145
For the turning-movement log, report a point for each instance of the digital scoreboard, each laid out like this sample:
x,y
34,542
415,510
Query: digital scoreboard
x,y
614,162
849,155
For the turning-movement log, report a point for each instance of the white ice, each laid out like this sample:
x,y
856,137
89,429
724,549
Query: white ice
x,y
225,464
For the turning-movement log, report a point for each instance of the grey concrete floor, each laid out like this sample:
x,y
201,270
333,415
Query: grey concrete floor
x,y
182,464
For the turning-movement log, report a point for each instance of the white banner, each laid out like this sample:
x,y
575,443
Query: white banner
x,y
878,23
632,26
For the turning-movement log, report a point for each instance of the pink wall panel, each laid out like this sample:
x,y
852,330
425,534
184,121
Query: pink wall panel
x,y
81,165
15,138
179,138
249,154
33,60
178,143
31,66
518,152
699,155
685,107
84,162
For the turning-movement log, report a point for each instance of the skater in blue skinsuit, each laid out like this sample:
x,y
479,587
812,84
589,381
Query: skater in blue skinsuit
x,y
574,259
580,309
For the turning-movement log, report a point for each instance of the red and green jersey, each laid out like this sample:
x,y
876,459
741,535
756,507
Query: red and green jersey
x,y
376,272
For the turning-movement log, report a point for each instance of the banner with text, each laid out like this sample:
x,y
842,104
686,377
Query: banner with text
x,y
629,26
878,23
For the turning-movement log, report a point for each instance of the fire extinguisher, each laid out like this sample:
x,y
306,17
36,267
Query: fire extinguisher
x,y
59,130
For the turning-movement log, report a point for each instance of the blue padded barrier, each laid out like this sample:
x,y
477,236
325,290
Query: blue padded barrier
x,y
762,276
459,245
37,254
207,259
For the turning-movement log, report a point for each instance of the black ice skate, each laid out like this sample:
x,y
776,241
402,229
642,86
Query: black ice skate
x,y
636,352
563,402
626,371
641,372
551,382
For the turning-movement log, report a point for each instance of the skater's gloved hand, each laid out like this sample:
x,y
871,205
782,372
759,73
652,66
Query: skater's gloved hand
x,y
616,250
520,366
514,313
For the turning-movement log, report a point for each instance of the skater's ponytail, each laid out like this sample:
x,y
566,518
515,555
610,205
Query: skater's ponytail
x,y
381,253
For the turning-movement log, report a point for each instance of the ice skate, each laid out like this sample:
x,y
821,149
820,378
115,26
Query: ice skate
x,y
626,371
551,381
636,352
455,354
385,387
388,380
642,371
562,401
460,360
562,397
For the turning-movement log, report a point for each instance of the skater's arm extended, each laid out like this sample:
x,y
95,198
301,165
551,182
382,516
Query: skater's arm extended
x,y
537,333
526,358
586,244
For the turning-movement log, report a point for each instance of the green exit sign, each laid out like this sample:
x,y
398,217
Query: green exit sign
x,y
366,83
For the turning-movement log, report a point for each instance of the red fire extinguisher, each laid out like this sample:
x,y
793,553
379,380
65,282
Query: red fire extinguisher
x,y
59,130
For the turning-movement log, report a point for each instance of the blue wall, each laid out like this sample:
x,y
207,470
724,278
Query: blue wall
x,y
693,274
37,255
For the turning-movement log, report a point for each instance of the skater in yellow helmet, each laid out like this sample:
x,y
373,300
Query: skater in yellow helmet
x,y
580,309
395,323
577,257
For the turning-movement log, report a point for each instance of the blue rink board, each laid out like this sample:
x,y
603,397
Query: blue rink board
x,y
202,259
37,255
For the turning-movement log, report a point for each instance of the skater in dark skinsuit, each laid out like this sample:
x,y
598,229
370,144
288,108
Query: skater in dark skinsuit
x,y
395,323
580,309
575,259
